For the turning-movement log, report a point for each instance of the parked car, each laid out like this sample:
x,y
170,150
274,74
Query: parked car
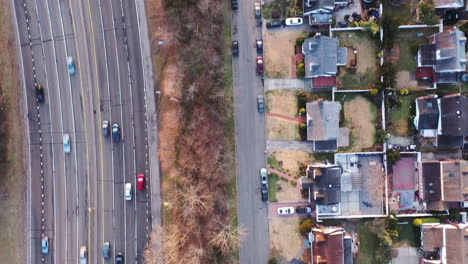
x,y
264,176
45,245
128,191
40,93
303,210
261,103
264,191
259,44
71,65
274,23
286,210
115,132
105,128
234,5
451,17
106,250
66,143
294,21
235,48
83,255
259,65
141,181
258,10
119,258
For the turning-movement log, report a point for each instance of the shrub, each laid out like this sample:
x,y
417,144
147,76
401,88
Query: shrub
x,y
302,111
301,99
306,225
390,27
388,72
300,41
403,92
392,157
272,260
370,26
380,136
417,222
303,131
300,70
427,13
374,92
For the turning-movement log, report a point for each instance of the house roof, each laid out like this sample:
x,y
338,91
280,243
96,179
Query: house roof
x,y
322,56
431,181
454,115
446,142
432,238
323,120
428,54
328,245
326,145
311,6
327,183
323,81
448,3
450,50
453,237
428,113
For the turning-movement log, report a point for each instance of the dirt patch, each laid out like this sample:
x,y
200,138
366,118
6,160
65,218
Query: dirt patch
x,y
290,160
279,50
366,49
358,112
287,192
282,102
13,176
281,129
285,240
405,81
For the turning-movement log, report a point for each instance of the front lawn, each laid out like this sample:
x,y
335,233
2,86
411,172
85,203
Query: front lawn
x,y
273,187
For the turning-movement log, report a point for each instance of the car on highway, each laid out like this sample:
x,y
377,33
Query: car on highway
x,y
40,93
274,23
115,132
260,103
258,10
45,245
128,191
66,143
234,5
141,181
259,64
106,250
303,210
71,65
235,48
105,128
119,258
264,176
286,210
294,21
259,45
83,255
264,191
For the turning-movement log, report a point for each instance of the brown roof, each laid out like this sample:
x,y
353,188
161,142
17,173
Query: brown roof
x,y
456,241
328,245
432,238
451,179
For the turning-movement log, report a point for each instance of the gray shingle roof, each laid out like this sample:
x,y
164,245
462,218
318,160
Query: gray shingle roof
x,y
450,54
321,56
428,113
323,120
454,115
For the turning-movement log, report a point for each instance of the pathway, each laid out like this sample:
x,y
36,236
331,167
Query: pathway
x,y
299,119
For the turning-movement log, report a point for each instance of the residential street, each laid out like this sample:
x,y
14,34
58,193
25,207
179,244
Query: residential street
x,y
250,138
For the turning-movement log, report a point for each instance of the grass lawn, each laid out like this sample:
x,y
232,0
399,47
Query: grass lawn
x,y
368,245
282,9
399,117
408,233
409,40
401,14
273,187
358,80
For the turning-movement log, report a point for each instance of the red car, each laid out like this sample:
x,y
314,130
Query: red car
x,y
141,181
259,65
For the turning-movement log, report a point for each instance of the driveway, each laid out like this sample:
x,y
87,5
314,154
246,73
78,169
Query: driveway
x,y
286,84
289,145
273,209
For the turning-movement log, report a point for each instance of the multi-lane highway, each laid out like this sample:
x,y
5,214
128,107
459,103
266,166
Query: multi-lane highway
x,y
250,137
77,199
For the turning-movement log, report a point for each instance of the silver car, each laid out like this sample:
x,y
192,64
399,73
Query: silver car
x,y
66,143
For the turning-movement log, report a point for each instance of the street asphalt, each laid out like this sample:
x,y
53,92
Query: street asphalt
x,y
250,137
77,199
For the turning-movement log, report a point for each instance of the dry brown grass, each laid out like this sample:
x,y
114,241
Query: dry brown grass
x,y
282,102
281,129
285,240
279,48
12,167
291,160
358,113
194,153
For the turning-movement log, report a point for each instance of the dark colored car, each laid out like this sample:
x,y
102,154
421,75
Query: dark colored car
x,y
260,103
451,17
274,23
119,258
115,132
235,48
259,65
303,210
40,93
259,45
264,191
234,5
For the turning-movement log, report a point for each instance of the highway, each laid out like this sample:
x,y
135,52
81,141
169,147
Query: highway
x,y
77,199
250,137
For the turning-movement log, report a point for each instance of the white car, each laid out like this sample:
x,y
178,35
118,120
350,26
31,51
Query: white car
x,y
293,21
128,191
83,255
286,210
264,176
66,143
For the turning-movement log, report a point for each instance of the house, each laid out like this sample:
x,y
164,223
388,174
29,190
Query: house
x,y
320,12
330,245
448,4
322,57
324,183
445,118
444,243
323,129
427,115
443,59
443,184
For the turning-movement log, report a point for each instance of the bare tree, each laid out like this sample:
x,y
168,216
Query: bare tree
x,y
227,238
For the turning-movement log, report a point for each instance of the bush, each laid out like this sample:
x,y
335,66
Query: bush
x,y
272,260
306,225
419,221
300,70
388,72
392,157
403,92
303,131
370,26
302,111
301,99
300,41
390,27
427,13
380,136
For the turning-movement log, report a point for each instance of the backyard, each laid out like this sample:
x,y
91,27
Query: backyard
x,y
360,115
403,14
282,9
399,117
364,72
